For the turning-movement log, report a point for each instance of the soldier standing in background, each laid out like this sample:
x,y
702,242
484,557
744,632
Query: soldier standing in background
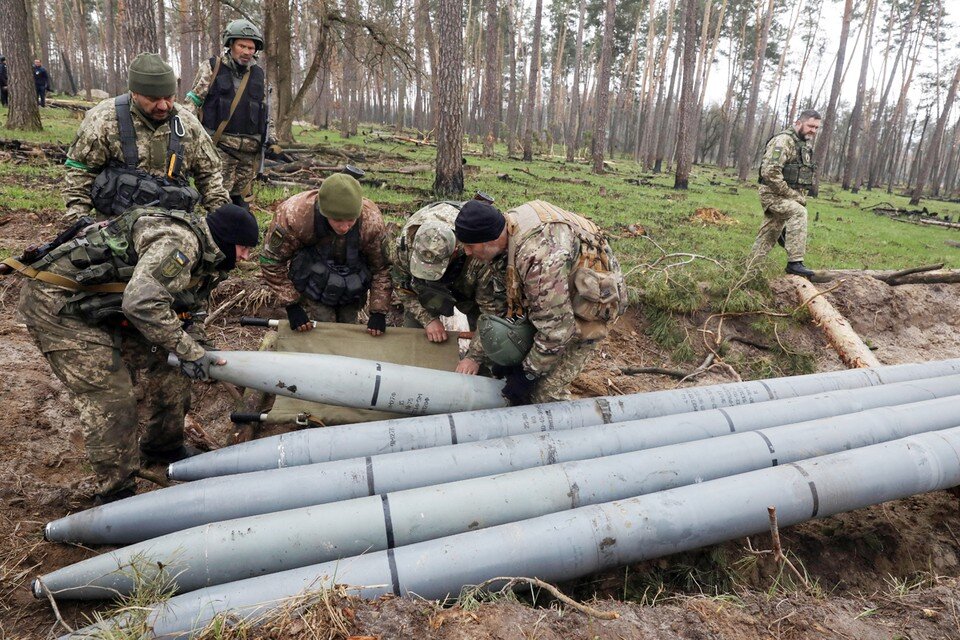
x,y
139,149
229,97
786,174
41,81
562,285
322,253
3,81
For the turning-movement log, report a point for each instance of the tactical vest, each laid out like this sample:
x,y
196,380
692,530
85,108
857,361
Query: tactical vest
x,y
798,172
105,254
249,118
122,187
597,288
324,277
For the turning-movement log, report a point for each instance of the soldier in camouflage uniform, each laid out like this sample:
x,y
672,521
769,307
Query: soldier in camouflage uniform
x,y
167,144
786,173
238,130
322,253
107,307
432,275
556,270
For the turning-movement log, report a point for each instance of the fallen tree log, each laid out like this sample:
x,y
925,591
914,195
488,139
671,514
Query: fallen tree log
x,y
936,223
931,274
841,336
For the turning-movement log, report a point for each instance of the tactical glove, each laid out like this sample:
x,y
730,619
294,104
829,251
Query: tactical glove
x,y
297,316
194,369
519,387
377,322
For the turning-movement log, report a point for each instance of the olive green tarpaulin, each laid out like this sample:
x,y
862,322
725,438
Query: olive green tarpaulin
x,y
397,346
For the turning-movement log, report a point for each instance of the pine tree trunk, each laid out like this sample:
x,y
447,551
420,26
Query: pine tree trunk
x,y
853,156
140,26
935,141
603,88
276,30
826,130
746,151
24,113
187,60
533,84
573,118
85,53
449,81
490,81
665,123
512,106
162,29
684,149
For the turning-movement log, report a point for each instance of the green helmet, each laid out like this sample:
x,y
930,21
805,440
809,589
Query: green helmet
x,y
505,342
242,29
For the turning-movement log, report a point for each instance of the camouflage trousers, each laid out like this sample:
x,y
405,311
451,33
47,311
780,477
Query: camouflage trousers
x,y
239,170
555,386
779,214
344,314
104,384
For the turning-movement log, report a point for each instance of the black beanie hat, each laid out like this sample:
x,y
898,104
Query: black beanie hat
x,y
230,226
478,222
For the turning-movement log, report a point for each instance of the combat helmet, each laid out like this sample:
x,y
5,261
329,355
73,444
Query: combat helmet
x,y
506,342
242,29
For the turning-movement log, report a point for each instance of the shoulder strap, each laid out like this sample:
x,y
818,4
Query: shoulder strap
x,y
233,105
514,296
128,138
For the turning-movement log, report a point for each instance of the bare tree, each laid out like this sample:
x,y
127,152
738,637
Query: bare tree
x,y
491,95
853,157
826,131
449,85
140,27
603,88
745,154
687,101
928,160
532,86
512,107
573,118
24,113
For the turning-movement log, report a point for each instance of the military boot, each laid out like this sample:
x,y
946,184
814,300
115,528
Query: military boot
x,y
799,269
169,456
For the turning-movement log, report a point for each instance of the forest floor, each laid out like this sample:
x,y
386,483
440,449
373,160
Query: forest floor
x,y
889,571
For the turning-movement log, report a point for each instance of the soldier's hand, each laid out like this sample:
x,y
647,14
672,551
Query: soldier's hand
x,y
199,369
802,198
468,366
435,331
377,324
298,318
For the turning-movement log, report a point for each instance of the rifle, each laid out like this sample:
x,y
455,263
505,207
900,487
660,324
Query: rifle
x,y
36,251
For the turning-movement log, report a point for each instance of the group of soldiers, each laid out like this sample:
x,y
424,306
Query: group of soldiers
x,y
126,284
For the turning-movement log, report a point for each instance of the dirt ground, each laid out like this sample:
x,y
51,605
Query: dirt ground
x,y
891,571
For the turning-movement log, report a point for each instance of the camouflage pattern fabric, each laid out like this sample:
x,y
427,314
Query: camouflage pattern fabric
x,y
544,258
98,143
292,229
344,314
782,205
103,365
240,155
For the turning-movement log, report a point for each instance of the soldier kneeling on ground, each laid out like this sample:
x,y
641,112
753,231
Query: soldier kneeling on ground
x,y
107,306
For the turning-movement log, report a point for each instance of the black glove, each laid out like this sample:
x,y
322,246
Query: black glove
x,y
503,370
297,316
377,322
519,387
194,369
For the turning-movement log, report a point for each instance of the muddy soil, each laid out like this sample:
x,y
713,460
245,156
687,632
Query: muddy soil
x,y
890,571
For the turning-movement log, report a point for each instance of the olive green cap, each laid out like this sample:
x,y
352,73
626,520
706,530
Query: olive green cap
x,y
433,245
150,76
339,198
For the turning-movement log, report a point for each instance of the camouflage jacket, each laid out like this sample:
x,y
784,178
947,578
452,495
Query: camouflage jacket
x,y
168,254
782,148
98,143
198,94
545,257
294,218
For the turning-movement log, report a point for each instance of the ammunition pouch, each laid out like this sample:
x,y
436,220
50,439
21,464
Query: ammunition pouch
x,y
328,283
435,298
798,176
505,342
95,309
118,189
